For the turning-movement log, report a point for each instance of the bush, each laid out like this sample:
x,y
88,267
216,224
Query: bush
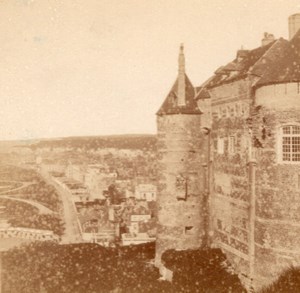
x,y
79,268
201,270
90,268
288,282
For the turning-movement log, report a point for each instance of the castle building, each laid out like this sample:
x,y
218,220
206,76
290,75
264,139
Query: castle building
x,y
229,160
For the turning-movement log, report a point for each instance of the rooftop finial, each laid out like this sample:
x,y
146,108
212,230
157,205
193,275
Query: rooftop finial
x,y
181,48
181,61
181,77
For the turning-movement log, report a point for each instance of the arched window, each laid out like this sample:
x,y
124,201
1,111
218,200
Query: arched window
x,y
290,143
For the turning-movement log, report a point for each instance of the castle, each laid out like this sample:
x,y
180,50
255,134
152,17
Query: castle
x,y
229,161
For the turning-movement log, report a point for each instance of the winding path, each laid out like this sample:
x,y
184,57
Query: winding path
x,y
72,232
42,209
25,184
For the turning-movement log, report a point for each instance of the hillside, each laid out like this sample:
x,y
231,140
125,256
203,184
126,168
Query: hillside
x,y
143,141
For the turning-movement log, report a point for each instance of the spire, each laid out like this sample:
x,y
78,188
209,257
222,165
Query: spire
x,y
181,78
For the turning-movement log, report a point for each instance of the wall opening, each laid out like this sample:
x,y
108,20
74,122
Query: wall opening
x,y
189,230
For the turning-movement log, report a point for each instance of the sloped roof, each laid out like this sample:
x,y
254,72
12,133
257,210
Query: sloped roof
x,y
285,63
277,62
238,68
170,105
202,93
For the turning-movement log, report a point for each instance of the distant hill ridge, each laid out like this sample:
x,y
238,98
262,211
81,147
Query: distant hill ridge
x,y
124,141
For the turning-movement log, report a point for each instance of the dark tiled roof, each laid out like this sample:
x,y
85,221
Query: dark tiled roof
x,y
170,106
277,62
238,68
284,63
202,93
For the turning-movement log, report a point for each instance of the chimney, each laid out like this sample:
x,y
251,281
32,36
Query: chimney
x,y
181,78
268,38
241,54
294,24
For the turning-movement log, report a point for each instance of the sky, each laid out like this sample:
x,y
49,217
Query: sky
x,y
99,67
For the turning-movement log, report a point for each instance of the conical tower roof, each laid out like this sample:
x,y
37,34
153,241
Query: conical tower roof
x,y
181,98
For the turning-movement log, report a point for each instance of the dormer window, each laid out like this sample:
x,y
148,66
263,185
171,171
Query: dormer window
x,y
289,151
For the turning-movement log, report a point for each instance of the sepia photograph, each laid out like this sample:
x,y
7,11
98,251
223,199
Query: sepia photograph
x,y
149,146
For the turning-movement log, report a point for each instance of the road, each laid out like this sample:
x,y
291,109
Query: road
x,y
72,233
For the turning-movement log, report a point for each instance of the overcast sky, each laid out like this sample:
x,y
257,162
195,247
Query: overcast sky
x,y
93,67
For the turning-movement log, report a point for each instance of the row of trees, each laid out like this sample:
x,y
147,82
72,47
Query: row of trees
x,y
113,141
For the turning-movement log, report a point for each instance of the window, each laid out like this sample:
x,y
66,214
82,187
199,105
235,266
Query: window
x,y
231,145
290,143
231,111
219,224
223,112
215,114
237,109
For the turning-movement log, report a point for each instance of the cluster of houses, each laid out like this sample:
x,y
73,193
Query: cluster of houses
x,y
27,233
7,231
109,210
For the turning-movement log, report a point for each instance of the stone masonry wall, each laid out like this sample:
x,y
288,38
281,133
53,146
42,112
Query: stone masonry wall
x,y
255,220
277,225
230,152
180,201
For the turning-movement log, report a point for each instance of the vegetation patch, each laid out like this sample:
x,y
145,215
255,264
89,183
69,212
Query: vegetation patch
x,y
201,270
288,281
90,268
20,214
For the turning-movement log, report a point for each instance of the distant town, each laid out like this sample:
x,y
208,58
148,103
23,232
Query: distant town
x,y
79,190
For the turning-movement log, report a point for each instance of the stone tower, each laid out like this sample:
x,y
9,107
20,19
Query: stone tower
x,y
181,169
